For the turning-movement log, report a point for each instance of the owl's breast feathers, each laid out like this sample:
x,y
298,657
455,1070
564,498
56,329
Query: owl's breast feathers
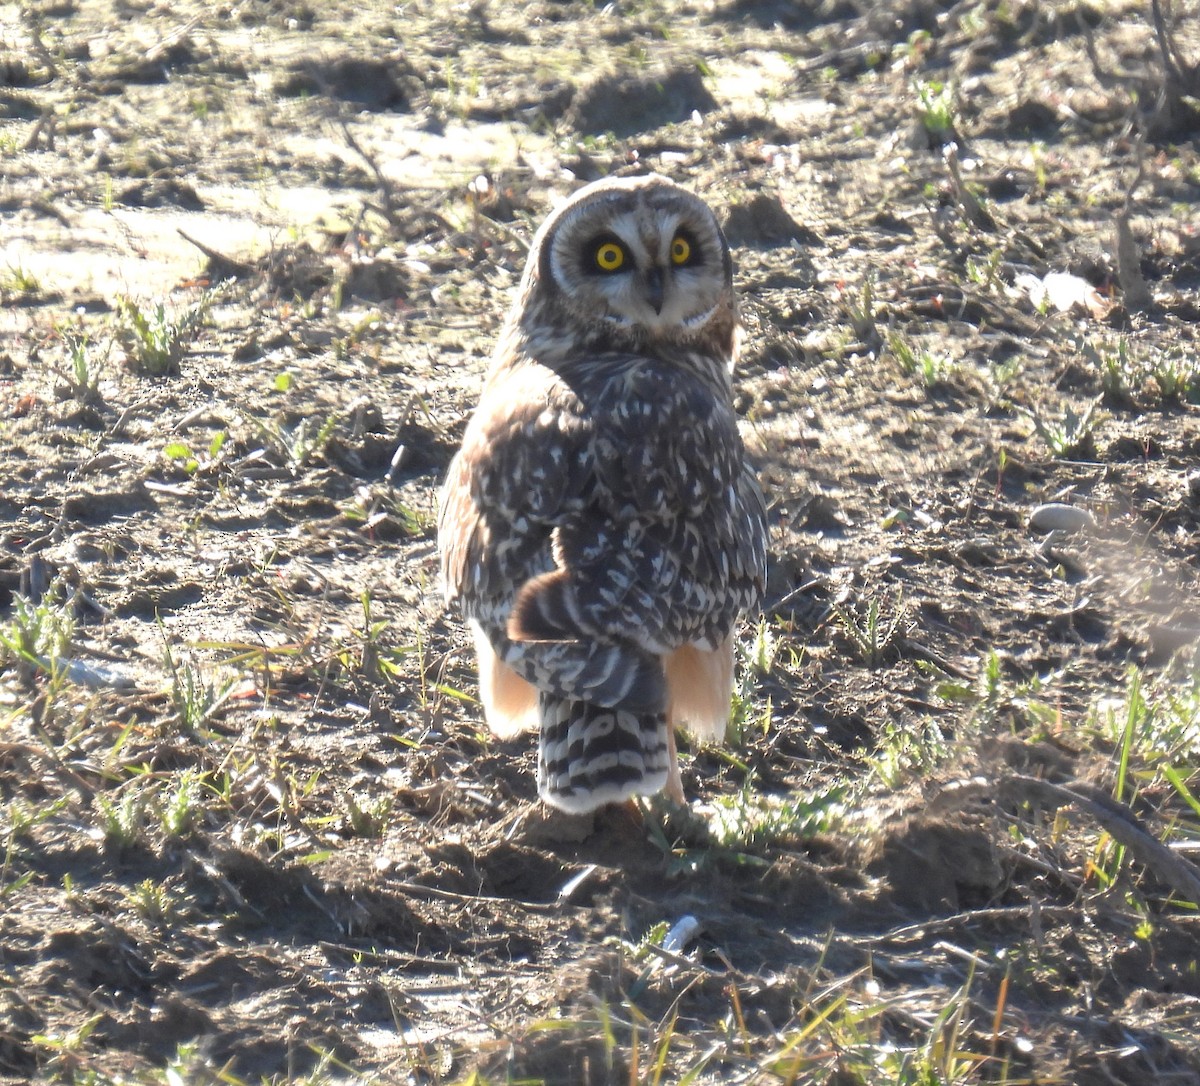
x,y
610,500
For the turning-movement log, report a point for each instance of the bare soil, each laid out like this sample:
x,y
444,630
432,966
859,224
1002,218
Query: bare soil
x,y
361,878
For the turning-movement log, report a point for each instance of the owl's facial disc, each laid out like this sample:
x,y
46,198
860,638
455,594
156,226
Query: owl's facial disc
x,y
654,279
640,255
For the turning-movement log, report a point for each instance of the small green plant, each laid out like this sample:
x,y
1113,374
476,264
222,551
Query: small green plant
x,y
84,366
38,634
755,659
915,47
18,824
1000,376
66,1052
1150,729
988,690
873,636
931,369
905,751
1177,375
19,280
371,506
124,821
155,337
1154,732
1071,435
294,446
195,696
935,107
1132,379
180,453
1118,376
985,272
846,1032
860,309
152,902
749,821
181,808
367,816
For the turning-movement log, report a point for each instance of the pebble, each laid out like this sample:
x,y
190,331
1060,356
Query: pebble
x,y
1055,516
1193,487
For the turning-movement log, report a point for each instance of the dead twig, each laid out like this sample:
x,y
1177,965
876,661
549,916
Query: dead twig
x,y
1118,821
390,211
222,266
969,204
33,24
44,125
1129,257
1160,102
1178,71
1019,915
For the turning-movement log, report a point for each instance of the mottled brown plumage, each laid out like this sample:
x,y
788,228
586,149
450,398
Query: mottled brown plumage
x,y
599,528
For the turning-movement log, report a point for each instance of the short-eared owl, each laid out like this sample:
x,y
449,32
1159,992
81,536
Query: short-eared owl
x,y
600,529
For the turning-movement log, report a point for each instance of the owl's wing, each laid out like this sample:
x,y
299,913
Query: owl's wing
x,y
669,547
522,468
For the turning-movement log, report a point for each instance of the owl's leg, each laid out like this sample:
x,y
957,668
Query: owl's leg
x,y
674,787
589,755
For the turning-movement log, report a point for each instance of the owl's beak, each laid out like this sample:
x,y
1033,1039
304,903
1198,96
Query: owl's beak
x,y
654,289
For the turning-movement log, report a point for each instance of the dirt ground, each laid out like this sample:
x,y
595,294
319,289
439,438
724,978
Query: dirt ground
x,y
251,826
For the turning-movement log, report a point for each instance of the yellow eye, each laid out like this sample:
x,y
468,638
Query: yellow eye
x,y
681,250
609,256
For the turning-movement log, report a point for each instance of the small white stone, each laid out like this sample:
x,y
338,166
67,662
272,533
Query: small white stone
x,y
1056,516
685,929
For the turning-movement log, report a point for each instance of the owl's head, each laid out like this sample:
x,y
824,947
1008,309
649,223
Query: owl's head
x,y
639,259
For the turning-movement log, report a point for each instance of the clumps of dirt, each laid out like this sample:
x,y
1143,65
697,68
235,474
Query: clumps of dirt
x,y
625,104
338,274
148,66
371,83
761,221
280,14
160,192
931,866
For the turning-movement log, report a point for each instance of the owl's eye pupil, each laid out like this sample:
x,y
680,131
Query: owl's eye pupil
x,y
609,256
681,250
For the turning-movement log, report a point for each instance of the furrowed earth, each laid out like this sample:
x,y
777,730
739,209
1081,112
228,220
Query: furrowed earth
x,y
254,258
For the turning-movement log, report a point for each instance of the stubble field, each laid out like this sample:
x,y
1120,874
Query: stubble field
x,y
253,260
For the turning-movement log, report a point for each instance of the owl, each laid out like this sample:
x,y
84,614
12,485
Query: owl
x,y
599,529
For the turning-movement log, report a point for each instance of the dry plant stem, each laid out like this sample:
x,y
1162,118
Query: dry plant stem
x,y
1103,77
46,123
1172,60
1129,272
382,183
33,24
1018,914
968,203
1121,824
227,264
1116,819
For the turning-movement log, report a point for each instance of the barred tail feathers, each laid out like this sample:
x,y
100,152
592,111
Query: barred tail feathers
x,y
589,755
